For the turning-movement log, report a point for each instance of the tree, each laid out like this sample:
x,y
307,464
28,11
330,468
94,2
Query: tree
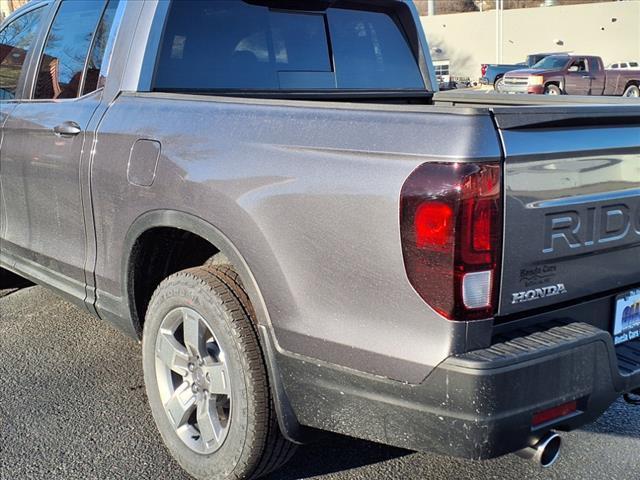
x,y
447,6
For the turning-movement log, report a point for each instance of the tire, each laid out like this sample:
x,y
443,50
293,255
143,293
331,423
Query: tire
x,y
632,91
200,322
498,84
552,90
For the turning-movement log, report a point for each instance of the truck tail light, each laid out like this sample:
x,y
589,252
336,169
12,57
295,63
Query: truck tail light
x,y
451,229
483,69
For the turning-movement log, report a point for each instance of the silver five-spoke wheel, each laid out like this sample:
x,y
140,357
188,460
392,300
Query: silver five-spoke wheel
x,y
193,380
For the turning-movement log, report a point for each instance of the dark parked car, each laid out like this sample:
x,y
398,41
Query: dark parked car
x,y
573,75
304,237
492,74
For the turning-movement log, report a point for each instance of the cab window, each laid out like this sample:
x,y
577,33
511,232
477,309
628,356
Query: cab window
x,y
579,65
77,36
211,45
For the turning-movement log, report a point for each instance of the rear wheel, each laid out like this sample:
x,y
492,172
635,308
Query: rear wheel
x,y
552,90
632,91
498,84
206,377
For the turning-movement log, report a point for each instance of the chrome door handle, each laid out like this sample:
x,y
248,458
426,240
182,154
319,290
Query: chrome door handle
x,y
67,129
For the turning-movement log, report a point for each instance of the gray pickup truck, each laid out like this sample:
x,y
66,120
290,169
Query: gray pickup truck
x,y
305,236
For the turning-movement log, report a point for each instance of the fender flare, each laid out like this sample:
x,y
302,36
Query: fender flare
x,y
202,228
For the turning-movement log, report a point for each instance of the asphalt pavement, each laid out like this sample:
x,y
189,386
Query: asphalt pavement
x,y
73,406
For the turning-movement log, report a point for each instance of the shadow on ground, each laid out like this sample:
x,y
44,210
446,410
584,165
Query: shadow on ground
x,y
73,406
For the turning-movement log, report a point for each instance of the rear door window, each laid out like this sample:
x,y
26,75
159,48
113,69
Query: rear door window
x,y
16,40
66,49
103,34
213,45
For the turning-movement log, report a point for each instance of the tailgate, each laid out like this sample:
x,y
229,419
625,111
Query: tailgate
x,y
572,204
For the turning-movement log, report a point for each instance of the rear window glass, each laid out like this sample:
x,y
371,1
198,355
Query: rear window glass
x,y
232,44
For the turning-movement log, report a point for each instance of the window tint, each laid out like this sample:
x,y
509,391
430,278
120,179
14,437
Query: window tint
x,y
371,52
579,65
552,63
66,49
633,64
16,39
94,64
232,44
229,44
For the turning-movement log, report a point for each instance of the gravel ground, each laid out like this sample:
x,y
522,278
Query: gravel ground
x,y
72,406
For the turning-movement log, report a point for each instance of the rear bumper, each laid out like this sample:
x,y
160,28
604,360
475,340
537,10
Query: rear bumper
x,y
479,405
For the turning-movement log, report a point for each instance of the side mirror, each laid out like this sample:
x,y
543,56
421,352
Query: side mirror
x,y
573,68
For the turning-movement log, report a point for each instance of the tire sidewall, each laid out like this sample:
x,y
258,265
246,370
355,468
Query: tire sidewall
x,y
554,88
189,293
631,88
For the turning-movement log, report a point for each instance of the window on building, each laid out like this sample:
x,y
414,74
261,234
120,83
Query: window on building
x,y
16,39
66,49
441,69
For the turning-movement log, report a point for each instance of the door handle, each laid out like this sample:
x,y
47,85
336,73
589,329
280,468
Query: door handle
x,y
67,129
587,76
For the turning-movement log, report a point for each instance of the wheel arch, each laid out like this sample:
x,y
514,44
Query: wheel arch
x,y
556,82
632,82
188,223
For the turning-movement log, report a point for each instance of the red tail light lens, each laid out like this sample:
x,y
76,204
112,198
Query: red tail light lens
x,y
434,225
483,69
451,228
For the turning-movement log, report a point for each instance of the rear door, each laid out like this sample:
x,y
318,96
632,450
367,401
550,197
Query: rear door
x,y
598,77
43,142
572,204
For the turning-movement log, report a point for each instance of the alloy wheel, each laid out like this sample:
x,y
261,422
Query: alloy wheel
x,y
193,380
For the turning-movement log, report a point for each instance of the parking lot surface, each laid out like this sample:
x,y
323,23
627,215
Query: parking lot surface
x,y
73,406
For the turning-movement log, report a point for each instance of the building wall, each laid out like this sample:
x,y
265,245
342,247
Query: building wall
x,y
8,6
467,40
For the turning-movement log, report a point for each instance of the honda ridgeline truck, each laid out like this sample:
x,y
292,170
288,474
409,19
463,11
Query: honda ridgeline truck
x,y
305,236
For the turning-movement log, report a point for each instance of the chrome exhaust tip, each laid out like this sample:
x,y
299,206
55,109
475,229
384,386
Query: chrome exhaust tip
x,y
545,451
